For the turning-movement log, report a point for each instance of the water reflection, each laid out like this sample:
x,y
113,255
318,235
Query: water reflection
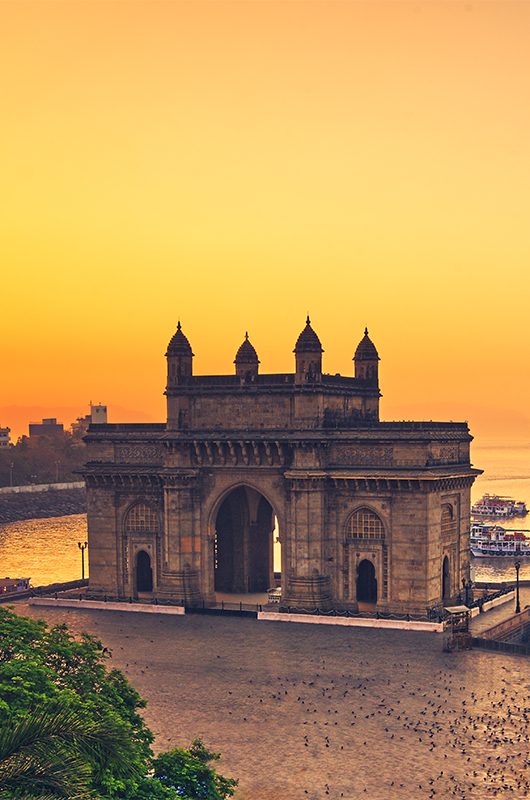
x,y
44,550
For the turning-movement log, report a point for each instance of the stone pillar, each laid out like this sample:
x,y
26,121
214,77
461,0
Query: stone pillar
x,y
181,549
261,559
306,585
464,532
413,528
103,543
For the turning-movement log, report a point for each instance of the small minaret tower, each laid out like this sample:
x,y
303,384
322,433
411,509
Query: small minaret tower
x,y
179,373
366,360
246,361
308,356
179,359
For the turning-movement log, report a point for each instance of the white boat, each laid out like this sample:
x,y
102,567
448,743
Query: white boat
x,y
493,540
493,505
14,585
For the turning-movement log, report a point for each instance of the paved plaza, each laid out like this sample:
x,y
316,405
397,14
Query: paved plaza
x,y
320,712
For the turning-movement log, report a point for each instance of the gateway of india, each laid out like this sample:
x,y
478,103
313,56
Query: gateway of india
x,y
368,513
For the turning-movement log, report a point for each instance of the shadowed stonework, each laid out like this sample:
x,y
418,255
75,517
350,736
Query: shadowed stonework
x,y
366,511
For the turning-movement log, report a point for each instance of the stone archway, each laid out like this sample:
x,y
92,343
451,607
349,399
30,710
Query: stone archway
x,y
366,582
144,572
446,581
243,549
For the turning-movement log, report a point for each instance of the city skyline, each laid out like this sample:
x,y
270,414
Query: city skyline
x,y
240,165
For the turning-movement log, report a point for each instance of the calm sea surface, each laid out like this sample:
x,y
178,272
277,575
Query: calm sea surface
x,y
46,549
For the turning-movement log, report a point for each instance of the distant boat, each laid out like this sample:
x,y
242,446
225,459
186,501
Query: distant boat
x,y
493,540
13,585
493,505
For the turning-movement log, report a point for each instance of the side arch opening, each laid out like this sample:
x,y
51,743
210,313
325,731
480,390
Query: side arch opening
x,y
366,582
144,572
446,581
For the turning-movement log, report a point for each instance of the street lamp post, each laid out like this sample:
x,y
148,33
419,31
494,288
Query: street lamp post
x,y
467,586
82,546
11,468
517,567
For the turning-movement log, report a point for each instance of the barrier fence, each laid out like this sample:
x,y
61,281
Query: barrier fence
x,y
240,608
434,614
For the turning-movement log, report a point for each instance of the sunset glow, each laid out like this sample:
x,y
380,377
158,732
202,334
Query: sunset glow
x,y
236,165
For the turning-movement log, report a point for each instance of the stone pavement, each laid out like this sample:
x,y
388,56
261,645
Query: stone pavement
x,y
304,712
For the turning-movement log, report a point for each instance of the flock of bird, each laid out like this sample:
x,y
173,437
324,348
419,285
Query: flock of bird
x,y
436,741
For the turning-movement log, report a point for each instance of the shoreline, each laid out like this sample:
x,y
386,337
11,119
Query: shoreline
x,y
21,503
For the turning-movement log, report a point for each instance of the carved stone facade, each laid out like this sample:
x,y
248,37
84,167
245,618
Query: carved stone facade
x,y
366,511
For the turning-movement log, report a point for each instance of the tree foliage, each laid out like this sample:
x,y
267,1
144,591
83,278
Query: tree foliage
x,y
51,670
55,751
42,459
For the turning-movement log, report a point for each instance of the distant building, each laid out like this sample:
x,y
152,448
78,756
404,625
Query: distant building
x,y
98,414
5,441
48,427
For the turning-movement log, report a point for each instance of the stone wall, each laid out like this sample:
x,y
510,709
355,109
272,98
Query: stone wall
x,y
48,502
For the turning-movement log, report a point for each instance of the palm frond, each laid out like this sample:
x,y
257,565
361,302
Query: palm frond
x,y
56,750
9,796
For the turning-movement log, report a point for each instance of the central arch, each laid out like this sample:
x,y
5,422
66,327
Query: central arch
x,y
244,543
366,582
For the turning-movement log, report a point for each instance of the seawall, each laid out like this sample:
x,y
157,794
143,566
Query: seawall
x,y
43,500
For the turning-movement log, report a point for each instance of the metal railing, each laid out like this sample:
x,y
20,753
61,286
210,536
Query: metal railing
x,y
438,617
239,608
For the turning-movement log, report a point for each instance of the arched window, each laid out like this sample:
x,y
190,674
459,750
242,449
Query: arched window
x,y
141,518
448,521
365,524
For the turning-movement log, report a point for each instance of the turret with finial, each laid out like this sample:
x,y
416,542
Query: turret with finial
x,y
366,360
179,358
246,360
308,356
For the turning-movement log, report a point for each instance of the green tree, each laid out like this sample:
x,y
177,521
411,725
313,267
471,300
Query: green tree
x,y
42,459
43,667
189,773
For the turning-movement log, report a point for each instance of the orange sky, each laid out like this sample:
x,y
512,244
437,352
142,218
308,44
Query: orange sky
x,y
240,164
